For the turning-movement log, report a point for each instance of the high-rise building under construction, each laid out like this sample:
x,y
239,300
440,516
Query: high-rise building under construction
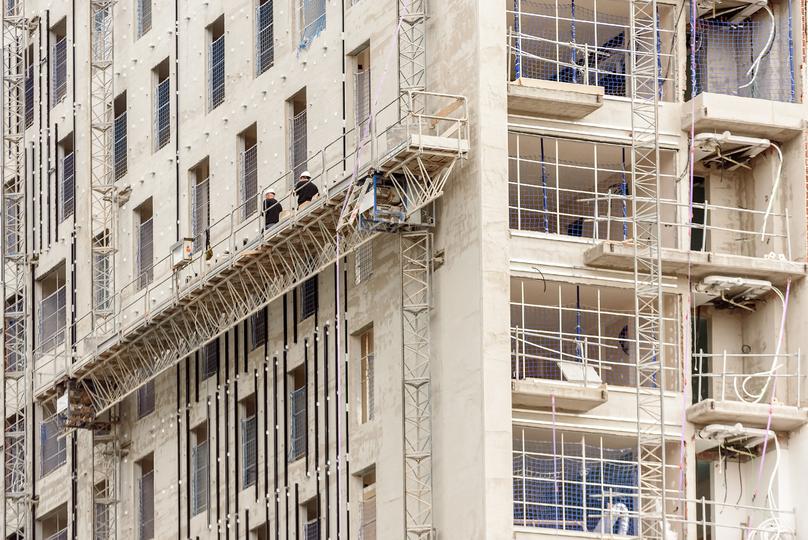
x,y
418,269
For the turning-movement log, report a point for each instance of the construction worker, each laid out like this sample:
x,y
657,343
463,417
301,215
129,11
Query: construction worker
x,y
272,209
305,189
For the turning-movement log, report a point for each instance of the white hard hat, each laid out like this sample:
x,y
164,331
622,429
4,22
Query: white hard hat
x,y
305,174
271,190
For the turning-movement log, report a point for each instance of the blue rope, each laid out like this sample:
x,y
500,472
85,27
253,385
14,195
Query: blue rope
x,y
578,329
624,193
573,62
791,55
660,80
544,188
517,30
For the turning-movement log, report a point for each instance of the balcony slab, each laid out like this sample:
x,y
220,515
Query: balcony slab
x,y
574,397
773,120
553,99
711,411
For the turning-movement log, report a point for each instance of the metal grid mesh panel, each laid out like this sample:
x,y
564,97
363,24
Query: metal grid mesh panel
x,y
297,423
249,181
583,42
299,151
53,444
146,506
574,483
29,97
199,480
162,114
311,530
52,319
119,146
265,39
200,217
258,329
59,71
308,298
249,451
145,253
216,73
102,280
364,262
145,399
362,105
751,58
210,359
311,14
68,187
144,16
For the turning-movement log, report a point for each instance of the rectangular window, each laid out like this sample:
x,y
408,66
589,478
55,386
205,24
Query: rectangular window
x,y
216,69
200,204
162,105
102,272
119,144
308,298
311,18
103,516
210,359
264,37
145,399
53,444
199,469
297,415
363,262
249,442
143,15
367,375
59,63
52,309
311,525
67,184
362,92
53,525
258,329
145,243
368,517
298,145
248,171
29,87
145,492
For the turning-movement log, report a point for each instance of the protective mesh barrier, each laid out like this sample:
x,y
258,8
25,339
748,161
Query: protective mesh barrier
x,y
52,319
264,40
570,485
249,451
146,505
162,114
59,75
216,73
145,253
582,42
249,181
199,480
68,187
145,399
736,58
119,146
311,15
297,423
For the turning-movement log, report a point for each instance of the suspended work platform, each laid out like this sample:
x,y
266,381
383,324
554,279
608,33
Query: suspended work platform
x,y
244,265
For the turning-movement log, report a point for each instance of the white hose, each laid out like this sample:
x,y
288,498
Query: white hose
x,y
774,191
753,69
770,528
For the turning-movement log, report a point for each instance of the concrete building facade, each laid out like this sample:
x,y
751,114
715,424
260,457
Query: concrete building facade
x,y
449,340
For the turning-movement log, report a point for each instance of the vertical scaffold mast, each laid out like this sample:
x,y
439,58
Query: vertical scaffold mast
x,y
648,305
17,463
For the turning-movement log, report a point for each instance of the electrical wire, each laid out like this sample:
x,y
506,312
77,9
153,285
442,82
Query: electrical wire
x,y
753,69
775,186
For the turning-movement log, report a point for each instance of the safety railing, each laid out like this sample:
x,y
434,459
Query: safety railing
x,y
61,535
584,42
749,377
436,115
607,215
583,335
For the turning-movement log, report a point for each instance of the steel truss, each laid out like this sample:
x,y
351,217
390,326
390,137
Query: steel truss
x,y
106,460
416,277
650,380
17,462
411,50
102,179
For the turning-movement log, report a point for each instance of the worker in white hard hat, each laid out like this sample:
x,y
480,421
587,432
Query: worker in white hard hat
x,y
305,189
272,209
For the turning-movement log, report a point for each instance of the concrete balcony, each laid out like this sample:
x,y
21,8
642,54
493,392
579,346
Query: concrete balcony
x,y
752,117
553,99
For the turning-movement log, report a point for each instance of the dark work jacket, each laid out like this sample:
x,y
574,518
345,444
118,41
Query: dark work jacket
x,y
272,212
305,191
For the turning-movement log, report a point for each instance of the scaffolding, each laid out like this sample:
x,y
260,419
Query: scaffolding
x,y
17,459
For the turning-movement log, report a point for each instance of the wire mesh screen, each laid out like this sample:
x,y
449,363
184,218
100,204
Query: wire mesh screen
x,y
363,262
146,506
29,96
162,114
574,483
308,298
145,399
584,42
264,37
52,319
199,480
249,181
119,148
210,359
102,281
145,253
258,329
144,16
200,218
68,188
362,85
311,14
53,446
299,149
297,424
59,71
750,58
216,73
249,451
312,530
